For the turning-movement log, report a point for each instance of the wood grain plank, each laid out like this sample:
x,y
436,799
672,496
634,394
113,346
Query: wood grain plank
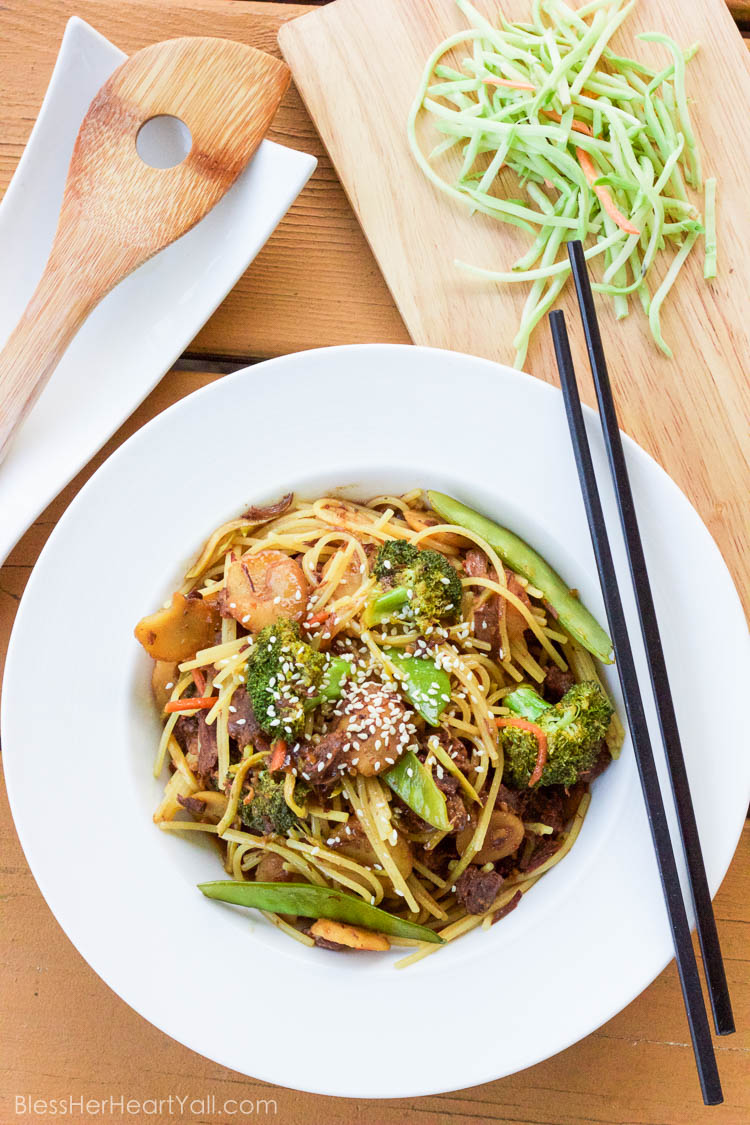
x,y
740,10
692,412
315,282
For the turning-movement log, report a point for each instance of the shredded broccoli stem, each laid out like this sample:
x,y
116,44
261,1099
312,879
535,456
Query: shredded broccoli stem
x,y
661,292
544,101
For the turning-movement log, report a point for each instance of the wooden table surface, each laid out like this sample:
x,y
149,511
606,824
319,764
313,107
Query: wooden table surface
x,y
64,1034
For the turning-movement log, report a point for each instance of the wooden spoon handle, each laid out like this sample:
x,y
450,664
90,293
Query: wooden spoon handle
x,y
117,211
51,319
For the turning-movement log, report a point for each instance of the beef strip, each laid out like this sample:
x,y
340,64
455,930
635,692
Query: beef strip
x,y
603,760
185,731
455,807
541,853
501,913
489,615
457,814
318,764
269,511
197,741
454,748
324,943
547,806
243,725
208,751
556,683
512,800
486,615
507,866
408,820
487,623
192,804
477,890
475,564
438,858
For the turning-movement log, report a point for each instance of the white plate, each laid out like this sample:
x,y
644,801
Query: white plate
x,y
79,732
138,331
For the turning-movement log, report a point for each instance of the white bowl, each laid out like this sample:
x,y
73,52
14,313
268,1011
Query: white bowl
x,y
79,732
146,322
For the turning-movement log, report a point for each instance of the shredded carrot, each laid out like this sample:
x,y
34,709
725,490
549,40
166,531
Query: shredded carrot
x,y
576,126
541,737
199,680
276,761
197,704
603,195
509,82
317,619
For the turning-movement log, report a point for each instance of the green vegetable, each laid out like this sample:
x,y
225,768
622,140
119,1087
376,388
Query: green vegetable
x,y
283,673
307,901
425,685
574,727
416,585
532,98
414,784
526,702
337,671
522,558
268,812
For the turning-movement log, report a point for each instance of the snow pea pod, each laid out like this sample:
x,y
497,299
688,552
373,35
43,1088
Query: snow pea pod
x,y
415,786
425,685
308,901
522,558
333,678
337,671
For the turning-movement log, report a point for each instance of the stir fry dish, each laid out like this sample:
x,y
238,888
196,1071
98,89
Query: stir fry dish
x,y
388,714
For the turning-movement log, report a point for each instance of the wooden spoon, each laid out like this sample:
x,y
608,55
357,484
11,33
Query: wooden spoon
x,y
118,211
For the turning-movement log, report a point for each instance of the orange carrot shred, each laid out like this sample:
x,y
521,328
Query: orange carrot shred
x,y
576,126
509,82
316,619
603,195
541,737
196,704
278,754
199,680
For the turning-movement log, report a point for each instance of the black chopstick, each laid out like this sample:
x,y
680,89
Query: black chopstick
x,y
708,936
686,963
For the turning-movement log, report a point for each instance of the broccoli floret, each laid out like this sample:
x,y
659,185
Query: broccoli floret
x,y
394,556
414,584
268,812
283,673
574,727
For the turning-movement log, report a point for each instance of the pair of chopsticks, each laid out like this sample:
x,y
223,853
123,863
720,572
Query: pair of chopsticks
x,y
706,923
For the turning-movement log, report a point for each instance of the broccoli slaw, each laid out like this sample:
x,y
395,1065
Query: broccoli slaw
x,y
602,145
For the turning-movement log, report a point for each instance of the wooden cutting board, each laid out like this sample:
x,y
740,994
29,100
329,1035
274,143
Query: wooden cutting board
x,y
357,66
